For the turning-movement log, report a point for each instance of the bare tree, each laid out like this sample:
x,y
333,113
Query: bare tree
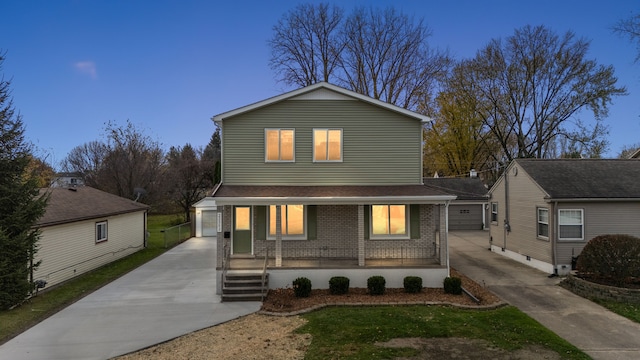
x,y
387,57
630,28
186,177
532,87
305,48
133,161
87,159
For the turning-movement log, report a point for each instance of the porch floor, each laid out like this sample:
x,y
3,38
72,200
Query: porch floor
x,y
257,263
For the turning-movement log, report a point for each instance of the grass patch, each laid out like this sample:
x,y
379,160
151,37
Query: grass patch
x,y
351,333
36,309
628,310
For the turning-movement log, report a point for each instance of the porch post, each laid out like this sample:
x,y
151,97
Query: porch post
x,y
278,237
360,235
444,236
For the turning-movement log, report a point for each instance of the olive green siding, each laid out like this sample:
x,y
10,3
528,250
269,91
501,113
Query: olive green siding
x,y
523,200
379,146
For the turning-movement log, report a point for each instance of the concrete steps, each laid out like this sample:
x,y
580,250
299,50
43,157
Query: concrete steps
x,y
244,286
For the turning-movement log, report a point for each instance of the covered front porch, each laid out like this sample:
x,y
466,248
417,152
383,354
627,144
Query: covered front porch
x,y
366,230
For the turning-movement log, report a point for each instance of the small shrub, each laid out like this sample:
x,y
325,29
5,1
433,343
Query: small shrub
x,y
412,284
615,258
453,285
302,287
339,285
376,285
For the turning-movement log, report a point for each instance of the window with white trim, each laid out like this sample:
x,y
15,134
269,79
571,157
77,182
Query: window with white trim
x,y
543,223
389,221
494,212
279,145
101,231
327,145
570,224
292,222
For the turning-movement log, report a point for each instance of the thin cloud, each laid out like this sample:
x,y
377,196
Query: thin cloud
x,y
87,67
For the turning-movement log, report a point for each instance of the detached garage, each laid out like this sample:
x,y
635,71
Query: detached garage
x,y
206,222
469,210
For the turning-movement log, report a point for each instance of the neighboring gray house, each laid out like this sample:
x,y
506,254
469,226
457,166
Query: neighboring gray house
x,y
323,181
469,211
543,212
67,179
84,228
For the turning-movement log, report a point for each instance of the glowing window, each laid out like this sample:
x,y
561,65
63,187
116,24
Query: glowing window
x,y
291,223
279,144
243,218
389,220
327,144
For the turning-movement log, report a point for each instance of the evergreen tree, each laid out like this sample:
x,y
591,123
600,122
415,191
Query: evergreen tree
x,y
21,204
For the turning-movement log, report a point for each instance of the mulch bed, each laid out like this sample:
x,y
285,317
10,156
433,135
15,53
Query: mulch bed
x,y
284,301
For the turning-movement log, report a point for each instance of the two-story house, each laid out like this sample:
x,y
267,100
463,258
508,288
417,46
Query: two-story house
x,y
323,181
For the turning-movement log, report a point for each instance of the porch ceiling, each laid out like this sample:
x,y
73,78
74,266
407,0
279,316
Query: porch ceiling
x,y
325,195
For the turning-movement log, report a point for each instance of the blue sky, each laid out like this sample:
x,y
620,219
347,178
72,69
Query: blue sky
x,y
169,66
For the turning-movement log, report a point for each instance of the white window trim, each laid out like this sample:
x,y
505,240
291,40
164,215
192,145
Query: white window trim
x,y
287,237
581,238
407,224
496,212
314,145
266,159
538,222
106,231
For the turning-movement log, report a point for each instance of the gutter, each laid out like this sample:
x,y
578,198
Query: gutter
x,y
557,200
350,200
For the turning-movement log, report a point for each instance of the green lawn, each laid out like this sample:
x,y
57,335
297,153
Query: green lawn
x,y
350,333
630,311
13,322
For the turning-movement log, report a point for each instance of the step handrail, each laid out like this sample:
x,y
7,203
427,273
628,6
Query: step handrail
x,y
264,276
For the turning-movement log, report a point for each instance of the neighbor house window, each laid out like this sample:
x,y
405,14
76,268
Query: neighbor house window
x,y
494,212
543,222
101,231
570,224
389,220
291,221
327,144
279,144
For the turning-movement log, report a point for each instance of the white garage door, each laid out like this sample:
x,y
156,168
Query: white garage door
x,y
465,217
208,223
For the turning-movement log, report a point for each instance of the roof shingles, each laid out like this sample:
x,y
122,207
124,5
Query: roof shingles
x,y
83,203
585,178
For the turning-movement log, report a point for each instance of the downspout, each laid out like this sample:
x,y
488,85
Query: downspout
x,y
552,233
446,227
507,227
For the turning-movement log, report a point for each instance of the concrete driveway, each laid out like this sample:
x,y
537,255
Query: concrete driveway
x,y
588,326
170,296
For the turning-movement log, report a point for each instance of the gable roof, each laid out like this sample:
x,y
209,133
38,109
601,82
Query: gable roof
x,y
635,155
463,188
585,178
324,90
83,203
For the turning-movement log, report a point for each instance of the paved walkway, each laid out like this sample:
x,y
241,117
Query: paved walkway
x,y
588,326
170,296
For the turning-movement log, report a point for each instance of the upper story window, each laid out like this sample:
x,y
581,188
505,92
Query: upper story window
x,y
101,231
543,222
327,144
389,220
570,224
279,144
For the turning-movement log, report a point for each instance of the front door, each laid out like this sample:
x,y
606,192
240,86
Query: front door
x,y
241,230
